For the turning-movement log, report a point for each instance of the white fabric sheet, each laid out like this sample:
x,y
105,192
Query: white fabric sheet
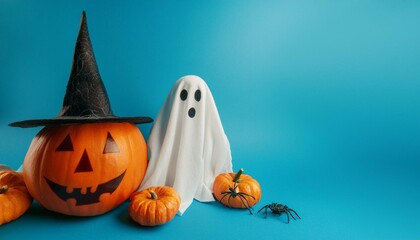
x,y
187,145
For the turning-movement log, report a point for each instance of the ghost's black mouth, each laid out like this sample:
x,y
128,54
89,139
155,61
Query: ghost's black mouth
x,y
191,112
89,197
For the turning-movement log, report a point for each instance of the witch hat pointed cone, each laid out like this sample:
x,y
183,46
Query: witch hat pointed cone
x,y
86,100
86,94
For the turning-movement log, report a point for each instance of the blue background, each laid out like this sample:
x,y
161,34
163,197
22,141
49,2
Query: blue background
x,y
319,100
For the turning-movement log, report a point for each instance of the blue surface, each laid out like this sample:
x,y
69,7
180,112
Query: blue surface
x,y
319,99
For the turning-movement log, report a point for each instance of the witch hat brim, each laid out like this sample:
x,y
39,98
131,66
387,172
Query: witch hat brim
x,y
86,99
79,120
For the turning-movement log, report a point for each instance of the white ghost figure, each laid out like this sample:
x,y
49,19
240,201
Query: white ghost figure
x,y
188,147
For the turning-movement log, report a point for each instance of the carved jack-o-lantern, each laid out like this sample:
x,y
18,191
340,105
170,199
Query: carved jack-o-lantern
x,y
86,161
85,169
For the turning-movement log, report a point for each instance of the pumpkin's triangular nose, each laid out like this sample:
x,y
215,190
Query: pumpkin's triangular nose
x,y
84,164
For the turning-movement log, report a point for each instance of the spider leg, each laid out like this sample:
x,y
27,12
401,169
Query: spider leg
x,y
291,210
245,203
288,219
230,196
288,212
248,195
265,207
262,209
225,194
243,195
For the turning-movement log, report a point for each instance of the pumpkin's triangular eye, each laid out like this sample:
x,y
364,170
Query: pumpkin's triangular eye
x,y
84,164
110,145
65,145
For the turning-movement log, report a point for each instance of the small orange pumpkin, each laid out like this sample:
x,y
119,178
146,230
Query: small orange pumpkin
x,y
14,197
237,190
154,206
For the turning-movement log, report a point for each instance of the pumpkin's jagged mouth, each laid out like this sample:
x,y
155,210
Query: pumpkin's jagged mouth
x,y
88,197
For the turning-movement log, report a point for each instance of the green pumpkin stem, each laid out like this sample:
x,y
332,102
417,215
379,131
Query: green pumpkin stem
x,y
238,175
3,189
153,195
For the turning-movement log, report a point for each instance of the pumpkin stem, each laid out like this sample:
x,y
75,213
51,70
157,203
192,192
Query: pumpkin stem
x,y
3,189
153,195
238,175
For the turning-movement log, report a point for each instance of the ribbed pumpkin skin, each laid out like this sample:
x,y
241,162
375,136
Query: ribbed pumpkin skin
x,y
246,184
4,168
16,199
43,161
147,211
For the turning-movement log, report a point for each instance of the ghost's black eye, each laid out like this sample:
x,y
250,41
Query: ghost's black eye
x,y
197,95
183,95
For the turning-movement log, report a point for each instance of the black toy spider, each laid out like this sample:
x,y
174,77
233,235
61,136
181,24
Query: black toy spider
x,y
279,209
233,193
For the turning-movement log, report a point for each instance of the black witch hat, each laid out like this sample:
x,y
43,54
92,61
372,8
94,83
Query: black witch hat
x,y
86,100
